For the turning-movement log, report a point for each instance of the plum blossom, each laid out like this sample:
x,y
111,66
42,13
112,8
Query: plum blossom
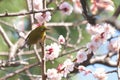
x,y
37,4
114,44
81,56
77,6
100,33
81,68
52,51
100,74
93,29
66,8
100,28
52,74
43,17
66,67
61,39
98,5
93,46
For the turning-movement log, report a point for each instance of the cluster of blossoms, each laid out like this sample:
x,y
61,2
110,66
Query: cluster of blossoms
x,y
62,71
53,50
100,34
99,73
42,17
96,5
99,5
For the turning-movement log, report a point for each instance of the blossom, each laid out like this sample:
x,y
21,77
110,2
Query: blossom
x,y
93,46
61,39
52,74
100,74
114,44
100,28
66,67
81,68
52,51
81,56
37,4
43,17
98,5
66,8
77,6
93,29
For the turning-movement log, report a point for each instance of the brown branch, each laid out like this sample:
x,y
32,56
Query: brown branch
x,y
24,13
111,71
12,64
117,12
42,44
118,65
19,71
103,60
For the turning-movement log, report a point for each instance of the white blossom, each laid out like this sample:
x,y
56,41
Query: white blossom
x,y
77,6
52,74
66,67
61,39
52,51
66,8
43,17
37,5
81,56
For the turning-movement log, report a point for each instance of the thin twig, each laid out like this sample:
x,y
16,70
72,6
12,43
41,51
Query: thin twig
x,y
37,53
24,13
5,37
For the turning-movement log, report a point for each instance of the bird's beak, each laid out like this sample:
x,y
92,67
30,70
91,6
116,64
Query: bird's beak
x,y
47,29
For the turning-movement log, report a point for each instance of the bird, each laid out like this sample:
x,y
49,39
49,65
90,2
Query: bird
x,y
35,36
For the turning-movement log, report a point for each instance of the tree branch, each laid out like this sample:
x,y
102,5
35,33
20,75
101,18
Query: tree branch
x,y
6,14
5,37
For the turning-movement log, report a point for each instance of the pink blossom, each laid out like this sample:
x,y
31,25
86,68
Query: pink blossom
x,y
101,5
37,4
100,28
52,74
114,45
43,17
66,8
61,39
99,38
66,67
81,68
92,46
52,51
77,6
81,56
94,29
100,74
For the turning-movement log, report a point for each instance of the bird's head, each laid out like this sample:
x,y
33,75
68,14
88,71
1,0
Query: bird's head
x,y
43,28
